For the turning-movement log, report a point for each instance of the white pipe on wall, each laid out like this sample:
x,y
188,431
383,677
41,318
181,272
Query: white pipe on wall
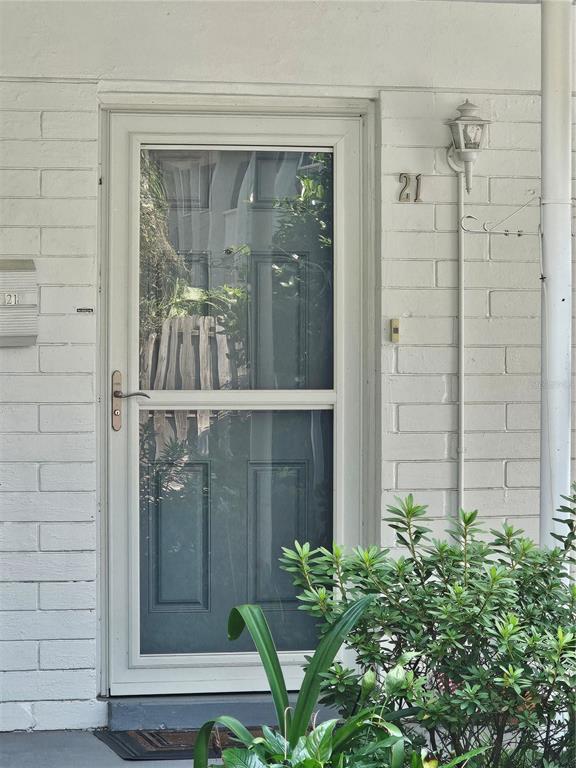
x,y
461,342
556,404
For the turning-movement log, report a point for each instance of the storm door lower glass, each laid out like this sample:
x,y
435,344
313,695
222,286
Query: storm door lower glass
x,y
220,493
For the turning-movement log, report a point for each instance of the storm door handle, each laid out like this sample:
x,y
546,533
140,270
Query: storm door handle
x,y
116,400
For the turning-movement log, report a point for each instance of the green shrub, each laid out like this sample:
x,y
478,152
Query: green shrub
x,y
478,634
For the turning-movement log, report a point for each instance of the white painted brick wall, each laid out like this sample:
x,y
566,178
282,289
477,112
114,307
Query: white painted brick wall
x,y
52,684
47,566
69,358
19,183
67,418
20,125
48,185
67,595
419,388
18,655
49,625
18,418
67,654
18,597
40,506
16,717
18,537
48,192
50,715
67,183
24,241
71,476
18,477
67,536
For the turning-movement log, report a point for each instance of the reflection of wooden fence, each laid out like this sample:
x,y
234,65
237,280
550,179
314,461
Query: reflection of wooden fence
x,y
189,353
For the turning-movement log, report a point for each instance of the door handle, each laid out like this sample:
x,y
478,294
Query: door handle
x,y
117,397
121,396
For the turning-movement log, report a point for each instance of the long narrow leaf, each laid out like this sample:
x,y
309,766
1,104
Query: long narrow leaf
x,y
464,758
202,743
397,754
353,726
252,617
320,663
349,730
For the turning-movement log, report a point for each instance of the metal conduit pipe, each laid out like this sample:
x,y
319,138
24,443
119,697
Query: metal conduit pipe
x,y
461,345
556,307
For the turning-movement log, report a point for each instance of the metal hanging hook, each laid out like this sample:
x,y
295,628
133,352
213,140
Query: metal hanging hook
x,y
491,228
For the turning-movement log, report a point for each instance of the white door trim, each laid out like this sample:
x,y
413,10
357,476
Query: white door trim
x,y
166,676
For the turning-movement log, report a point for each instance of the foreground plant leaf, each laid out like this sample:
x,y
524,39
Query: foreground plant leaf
x,y
320,663
252,617
202,743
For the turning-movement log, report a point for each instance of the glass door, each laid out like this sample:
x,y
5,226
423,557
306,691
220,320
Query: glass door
x,y
227,440
236,293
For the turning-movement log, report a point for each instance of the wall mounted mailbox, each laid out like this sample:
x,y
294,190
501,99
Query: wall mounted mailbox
x,y
18,303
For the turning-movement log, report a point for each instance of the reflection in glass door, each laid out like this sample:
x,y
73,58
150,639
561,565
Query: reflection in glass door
x,y
216,508
236,270
236,293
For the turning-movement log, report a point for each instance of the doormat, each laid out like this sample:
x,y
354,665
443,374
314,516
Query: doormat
x,y
163,745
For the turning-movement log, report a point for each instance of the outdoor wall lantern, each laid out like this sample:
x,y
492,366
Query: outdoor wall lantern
x,y
468,138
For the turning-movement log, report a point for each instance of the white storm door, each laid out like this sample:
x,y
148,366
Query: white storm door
x,y
234,314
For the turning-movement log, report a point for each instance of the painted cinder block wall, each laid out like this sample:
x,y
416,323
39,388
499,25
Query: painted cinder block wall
x,y
418,61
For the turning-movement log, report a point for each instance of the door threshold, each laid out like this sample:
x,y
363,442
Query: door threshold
x,y
188,712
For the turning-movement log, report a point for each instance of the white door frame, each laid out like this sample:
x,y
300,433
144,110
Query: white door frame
x,y
125,670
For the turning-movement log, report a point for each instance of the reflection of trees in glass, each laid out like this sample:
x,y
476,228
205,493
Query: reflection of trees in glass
x,y
305,235
166,283
301,268
157,256
167,286
306,219
164,458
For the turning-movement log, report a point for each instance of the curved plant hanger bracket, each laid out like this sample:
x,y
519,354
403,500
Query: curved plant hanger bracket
x,y
492,228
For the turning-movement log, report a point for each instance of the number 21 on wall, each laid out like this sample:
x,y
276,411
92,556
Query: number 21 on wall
x,y
406,179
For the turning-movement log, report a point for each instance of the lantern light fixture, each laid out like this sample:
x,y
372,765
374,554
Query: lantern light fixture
x,y
468,138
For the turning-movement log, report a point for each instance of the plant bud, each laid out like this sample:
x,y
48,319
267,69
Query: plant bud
x,y
368,684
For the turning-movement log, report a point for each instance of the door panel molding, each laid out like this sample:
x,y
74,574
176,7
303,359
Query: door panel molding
x,y
157,536
258,472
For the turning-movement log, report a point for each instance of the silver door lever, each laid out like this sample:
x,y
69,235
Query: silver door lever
x,y
117,393
117,397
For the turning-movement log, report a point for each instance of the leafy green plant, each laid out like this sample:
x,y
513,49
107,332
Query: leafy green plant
x,y
367,740
479,635
322,747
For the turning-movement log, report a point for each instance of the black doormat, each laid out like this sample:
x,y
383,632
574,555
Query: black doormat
x,y
163,745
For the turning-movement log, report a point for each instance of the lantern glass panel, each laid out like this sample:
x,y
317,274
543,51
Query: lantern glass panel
x,y
456,135
472,135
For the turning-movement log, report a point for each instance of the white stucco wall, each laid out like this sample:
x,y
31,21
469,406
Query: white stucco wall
x,y
418,60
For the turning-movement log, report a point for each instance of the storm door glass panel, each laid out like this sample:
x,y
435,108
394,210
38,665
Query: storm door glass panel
x,y
236,269
220,493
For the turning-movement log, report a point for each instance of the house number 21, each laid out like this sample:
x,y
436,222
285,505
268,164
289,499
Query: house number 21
x,y
406,180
